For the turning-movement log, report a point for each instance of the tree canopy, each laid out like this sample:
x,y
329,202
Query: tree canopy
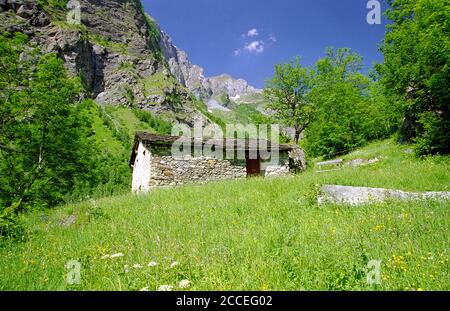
x,y
332,103
287,93
416,70
44,145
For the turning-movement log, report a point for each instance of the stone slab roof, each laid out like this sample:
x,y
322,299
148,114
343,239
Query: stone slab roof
x,y
237,144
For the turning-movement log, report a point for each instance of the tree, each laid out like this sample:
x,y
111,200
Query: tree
x,y
416,70
350,108
287,93
44,135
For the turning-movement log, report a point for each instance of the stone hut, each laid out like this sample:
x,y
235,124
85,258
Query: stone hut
x,y
169,161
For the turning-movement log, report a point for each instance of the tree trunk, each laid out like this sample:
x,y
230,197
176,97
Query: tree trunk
x,y
297,136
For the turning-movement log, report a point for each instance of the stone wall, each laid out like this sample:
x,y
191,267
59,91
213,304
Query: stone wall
x,y
167,171
269,169
276,170
155,167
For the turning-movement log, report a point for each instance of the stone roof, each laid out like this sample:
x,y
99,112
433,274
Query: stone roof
x,y
237,144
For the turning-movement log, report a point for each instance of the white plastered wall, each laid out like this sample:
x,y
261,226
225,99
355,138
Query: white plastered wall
x,y
142,169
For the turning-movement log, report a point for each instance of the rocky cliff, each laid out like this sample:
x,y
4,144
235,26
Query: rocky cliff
x,y
114,47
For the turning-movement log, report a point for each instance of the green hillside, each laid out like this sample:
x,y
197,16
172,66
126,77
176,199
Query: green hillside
x,y
247,234
113,129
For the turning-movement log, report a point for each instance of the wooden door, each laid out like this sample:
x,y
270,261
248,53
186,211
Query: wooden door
x,y
253,167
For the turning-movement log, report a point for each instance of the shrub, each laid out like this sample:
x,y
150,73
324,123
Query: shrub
x,y
10,228
435,137
160,125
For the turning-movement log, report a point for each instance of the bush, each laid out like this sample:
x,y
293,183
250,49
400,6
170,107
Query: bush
x,y
10,228
435,137
59,4
160,125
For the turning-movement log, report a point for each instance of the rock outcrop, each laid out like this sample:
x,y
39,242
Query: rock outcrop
x,y
363,195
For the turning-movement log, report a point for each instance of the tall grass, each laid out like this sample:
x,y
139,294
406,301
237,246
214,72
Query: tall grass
x,y
247,235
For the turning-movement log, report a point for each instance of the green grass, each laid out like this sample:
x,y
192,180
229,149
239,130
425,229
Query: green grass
x,y
248,235
242,114
398,168
124,122
104,136
118,47
158,83
129,121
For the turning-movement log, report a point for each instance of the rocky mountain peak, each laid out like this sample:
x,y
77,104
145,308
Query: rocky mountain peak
x,y
193,78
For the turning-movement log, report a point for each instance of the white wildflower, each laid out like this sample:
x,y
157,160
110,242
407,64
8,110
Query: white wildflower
x,y
184,284
116,255
145,289
152,264
105,256
137,266
165,288
174,264
127,268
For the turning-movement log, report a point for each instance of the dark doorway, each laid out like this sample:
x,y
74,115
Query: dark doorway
x,y
253,167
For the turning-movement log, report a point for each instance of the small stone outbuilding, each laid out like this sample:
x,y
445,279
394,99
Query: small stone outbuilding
x,y
158,161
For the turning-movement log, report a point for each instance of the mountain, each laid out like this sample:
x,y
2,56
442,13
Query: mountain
x,y
205,88
114,48
125,59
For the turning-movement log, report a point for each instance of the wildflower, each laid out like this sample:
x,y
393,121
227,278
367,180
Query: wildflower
x,y
174,264
399,262
126,268
137,266
404,216
145,289
184,284
116,255
152,264
165,288
105,257
378,228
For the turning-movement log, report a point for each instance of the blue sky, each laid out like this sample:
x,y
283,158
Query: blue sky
x,y
245,38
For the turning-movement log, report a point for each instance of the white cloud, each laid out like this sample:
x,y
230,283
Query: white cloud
x,y
253,32
255,47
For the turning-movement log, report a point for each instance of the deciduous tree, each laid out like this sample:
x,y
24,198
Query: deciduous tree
x,y
287,93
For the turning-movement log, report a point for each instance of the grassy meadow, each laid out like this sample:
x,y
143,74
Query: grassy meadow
x,y
247,235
